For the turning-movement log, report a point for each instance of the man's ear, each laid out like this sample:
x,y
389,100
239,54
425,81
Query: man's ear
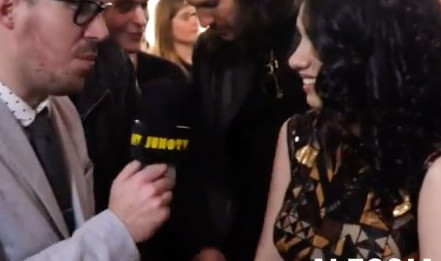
x,y
6,13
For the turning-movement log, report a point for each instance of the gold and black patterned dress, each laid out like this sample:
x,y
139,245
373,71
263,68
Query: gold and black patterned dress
x,y
328,210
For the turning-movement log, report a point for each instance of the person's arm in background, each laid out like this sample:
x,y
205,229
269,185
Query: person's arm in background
x,y
429,213
279,183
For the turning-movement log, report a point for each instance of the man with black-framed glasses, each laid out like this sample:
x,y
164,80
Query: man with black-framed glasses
x,y
47,47
87,10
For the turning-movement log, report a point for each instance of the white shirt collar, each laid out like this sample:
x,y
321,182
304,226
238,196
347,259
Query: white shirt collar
x,y
24,113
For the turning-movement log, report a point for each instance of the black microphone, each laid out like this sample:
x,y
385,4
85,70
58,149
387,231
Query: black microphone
x,y
161,131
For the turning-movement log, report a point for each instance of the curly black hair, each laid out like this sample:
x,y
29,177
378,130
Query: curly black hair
x,y
382,70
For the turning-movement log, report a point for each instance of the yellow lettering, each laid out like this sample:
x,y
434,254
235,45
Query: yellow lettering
x,y
162,143
155,142
135,139
178,144
171,144
148,142
185,144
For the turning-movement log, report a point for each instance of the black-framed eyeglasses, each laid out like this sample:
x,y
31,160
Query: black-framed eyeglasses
x,y
125,6
87,10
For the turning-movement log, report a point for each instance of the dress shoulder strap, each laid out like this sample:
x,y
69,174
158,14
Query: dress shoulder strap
x,y
300,131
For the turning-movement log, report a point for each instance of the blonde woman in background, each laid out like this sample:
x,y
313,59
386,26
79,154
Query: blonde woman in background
x,y
176,30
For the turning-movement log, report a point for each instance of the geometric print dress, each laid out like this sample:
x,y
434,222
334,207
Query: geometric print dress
x,y
328,211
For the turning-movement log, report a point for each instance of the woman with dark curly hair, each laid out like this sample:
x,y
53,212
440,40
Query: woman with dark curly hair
x,y
347,174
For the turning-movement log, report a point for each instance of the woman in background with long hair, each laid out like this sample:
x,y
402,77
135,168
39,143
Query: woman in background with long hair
x,y
176,31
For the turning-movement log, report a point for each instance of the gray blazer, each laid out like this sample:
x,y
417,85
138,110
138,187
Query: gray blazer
x,y
31,223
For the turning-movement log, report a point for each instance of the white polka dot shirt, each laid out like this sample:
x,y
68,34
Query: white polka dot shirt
x,y
24,113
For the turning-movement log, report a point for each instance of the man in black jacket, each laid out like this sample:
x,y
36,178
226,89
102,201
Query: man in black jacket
x,y
245,91
113,96
108,106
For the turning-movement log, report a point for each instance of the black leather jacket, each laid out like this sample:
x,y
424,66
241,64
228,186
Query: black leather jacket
x,y
107,106
241,107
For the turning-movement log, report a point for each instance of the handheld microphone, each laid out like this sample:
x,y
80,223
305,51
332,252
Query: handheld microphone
x,y
161,132
149,146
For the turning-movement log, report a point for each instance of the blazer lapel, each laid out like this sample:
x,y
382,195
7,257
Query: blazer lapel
x,y
19,155
81,203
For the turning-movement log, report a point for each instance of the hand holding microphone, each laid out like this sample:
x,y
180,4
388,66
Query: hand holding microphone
x,y
141,193
140,198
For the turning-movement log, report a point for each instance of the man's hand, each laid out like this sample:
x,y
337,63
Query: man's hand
x,y
141,198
